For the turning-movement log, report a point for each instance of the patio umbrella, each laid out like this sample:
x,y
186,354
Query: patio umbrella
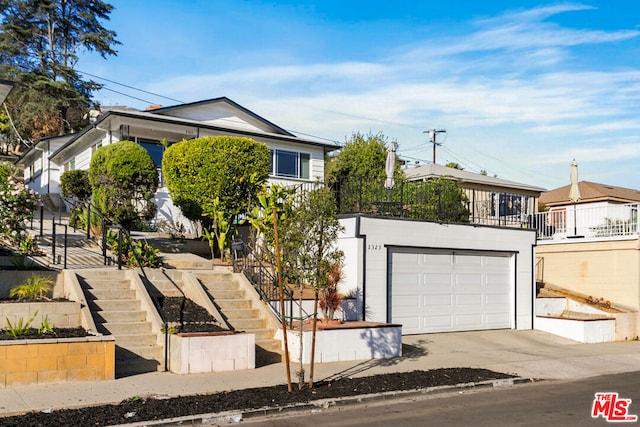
x,y
390,166
574,192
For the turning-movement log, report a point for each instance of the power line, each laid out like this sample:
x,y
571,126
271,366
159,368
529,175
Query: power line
x,y
131,87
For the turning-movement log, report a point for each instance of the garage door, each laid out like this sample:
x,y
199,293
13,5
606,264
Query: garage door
x,y
442,291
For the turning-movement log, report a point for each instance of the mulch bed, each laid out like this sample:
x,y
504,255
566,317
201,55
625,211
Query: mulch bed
x,y
33,334
187,316
137,409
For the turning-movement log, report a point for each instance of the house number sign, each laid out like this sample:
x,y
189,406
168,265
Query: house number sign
x,y
374,247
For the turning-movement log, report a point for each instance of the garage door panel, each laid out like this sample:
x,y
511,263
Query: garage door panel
x,y
467,260
441,300
452,292
468,321
474,300
437,322
407,301
437,279
468,279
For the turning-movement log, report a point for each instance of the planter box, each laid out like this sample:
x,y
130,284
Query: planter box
x,y
43,361
191,353
348,341
61,314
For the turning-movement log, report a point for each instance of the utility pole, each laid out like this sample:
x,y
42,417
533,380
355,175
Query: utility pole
x,y
433,133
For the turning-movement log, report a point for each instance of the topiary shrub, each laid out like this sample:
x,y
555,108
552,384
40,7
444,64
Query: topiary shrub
x,y
231,169
124,180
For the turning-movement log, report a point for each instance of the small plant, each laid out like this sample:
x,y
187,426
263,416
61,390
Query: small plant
x,y
331,299
47,327
20,328
171,330
143,253
33,288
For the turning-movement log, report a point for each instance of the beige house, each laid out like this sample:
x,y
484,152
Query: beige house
x,y
492,201
592,248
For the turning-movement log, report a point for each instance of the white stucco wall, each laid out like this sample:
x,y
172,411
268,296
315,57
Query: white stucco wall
x,y
366,242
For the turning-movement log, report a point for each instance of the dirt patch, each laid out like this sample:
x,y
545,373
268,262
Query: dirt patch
x,y
139,409
34,334
186,316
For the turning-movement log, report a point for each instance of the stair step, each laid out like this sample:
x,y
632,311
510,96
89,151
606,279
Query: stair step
x,y
137,366
112,294
133,340
246,324
140,351
223,294
114,305
121,316
108,284
127,328
238,313
233,304
270,345
261,333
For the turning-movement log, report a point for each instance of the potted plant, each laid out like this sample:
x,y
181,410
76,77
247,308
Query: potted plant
x,y
331,298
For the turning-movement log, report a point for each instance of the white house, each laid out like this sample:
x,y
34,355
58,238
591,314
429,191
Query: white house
x,y
294,159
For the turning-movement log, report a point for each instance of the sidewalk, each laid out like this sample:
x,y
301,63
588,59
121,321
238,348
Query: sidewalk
x,y
529,354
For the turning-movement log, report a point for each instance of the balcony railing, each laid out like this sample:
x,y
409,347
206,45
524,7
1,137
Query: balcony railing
x,y
576,221
419,200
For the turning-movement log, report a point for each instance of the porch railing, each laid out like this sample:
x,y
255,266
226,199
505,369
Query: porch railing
x,y
597,222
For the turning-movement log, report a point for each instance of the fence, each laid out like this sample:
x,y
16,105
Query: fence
x,y
437,200
604,221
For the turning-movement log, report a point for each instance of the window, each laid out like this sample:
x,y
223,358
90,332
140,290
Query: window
x,y
503,204
290,164
70,165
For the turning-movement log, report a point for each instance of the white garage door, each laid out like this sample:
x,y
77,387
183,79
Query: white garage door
x,y
443,291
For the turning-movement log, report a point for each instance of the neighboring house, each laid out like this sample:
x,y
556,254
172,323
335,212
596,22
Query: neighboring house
x,y
491,200
602,210
592,247
294,160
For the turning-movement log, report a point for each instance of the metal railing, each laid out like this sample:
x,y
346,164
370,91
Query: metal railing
x,y
431,201
108,223
264,280
582,221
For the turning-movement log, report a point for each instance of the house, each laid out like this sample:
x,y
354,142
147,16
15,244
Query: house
x,y
601,210
491,200
295,160
592,247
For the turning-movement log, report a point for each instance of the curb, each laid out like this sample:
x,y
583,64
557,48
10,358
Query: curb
x,y
324,404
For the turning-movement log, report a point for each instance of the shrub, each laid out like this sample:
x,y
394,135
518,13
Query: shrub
x,y
124,180
33,288
230,168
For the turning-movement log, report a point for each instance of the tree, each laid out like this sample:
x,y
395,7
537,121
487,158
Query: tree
x,y
124,180
308,231
439,199
231,169
454,165
361,156
40,44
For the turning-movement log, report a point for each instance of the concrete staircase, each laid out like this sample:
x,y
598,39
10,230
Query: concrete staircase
x,y
242,313
117,311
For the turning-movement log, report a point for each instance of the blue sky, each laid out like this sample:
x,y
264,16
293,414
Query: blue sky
x,y
522,88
